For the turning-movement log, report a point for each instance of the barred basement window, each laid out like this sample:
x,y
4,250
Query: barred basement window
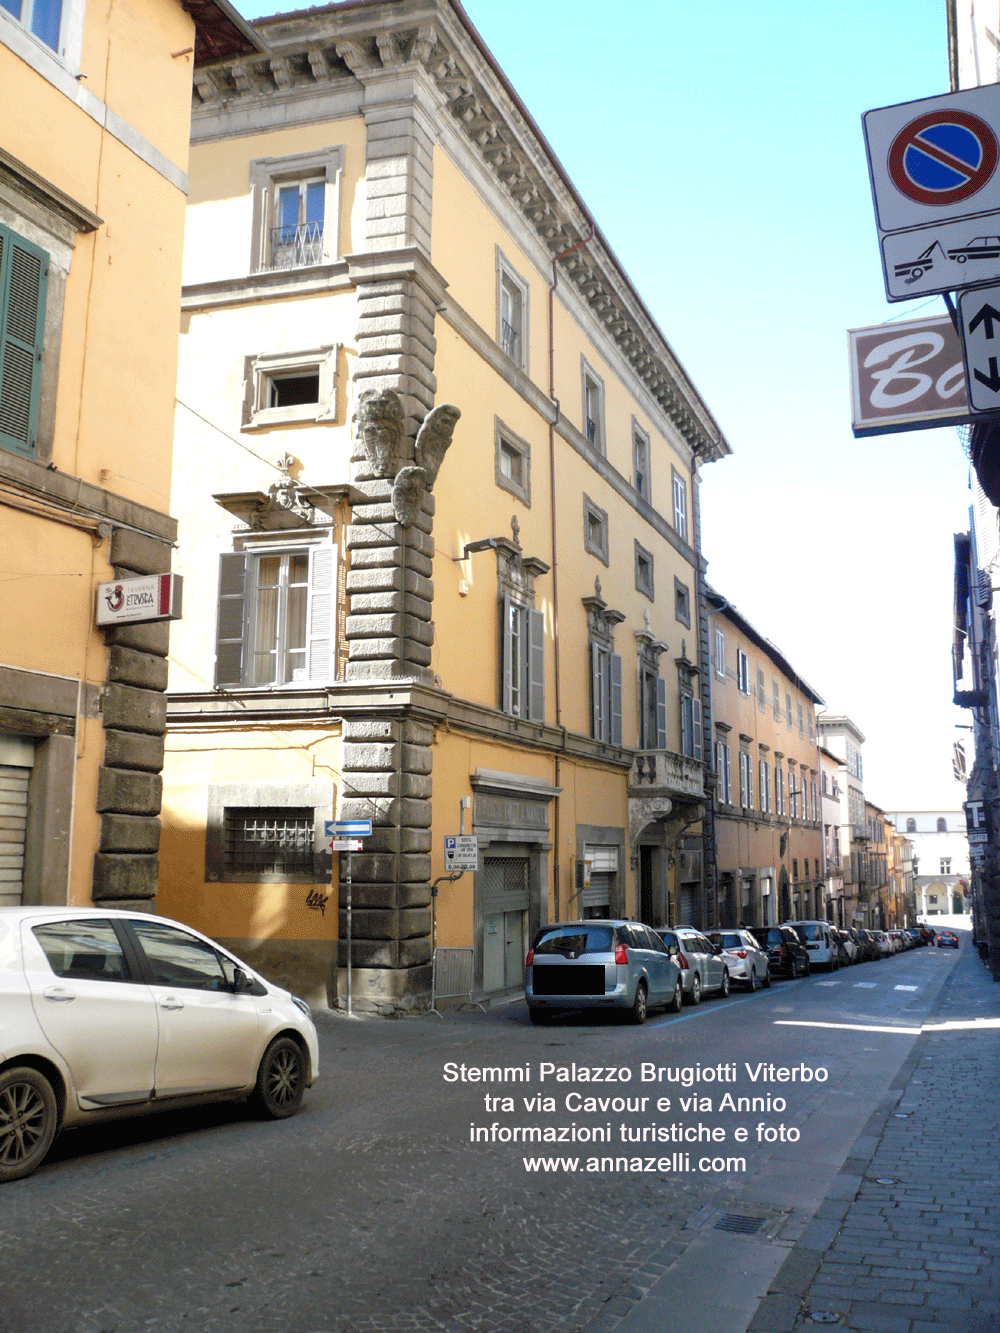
x,y
268,840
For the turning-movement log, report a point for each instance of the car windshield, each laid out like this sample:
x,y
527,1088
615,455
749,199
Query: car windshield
x,y
575,940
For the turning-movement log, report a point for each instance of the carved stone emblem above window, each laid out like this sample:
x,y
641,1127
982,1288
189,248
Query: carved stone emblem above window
x,y
601,619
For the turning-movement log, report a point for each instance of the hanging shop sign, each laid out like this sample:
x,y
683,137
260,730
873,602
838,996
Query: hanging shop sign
x,y
907,375
132,601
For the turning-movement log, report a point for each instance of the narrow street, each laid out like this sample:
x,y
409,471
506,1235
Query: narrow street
x,y
373,1209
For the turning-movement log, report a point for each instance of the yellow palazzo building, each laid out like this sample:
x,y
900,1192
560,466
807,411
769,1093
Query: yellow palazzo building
x,y
484,619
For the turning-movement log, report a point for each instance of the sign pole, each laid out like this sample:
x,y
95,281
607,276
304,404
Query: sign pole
x,y
349,1013
346,835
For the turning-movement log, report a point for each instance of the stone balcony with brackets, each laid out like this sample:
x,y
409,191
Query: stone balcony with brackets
x,y
664,787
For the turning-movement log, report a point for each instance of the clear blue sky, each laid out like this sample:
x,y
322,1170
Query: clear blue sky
x,y
720,149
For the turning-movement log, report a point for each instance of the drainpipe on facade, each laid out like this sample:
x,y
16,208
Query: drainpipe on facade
x,y
556,825
709,902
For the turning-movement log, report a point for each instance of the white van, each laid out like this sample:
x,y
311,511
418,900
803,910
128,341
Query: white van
x,y
815,935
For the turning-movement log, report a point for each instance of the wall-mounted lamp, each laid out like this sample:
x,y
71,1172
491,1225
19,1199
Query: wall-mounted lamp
x,y
470,548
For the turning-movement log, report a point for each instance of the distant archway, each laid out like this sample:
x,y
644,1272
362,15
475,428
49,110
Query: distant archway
x,y
784,897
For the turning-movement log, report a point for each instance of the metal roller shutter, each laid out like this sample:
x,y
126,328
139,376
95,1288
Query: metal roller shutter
x,y
13,817
603,869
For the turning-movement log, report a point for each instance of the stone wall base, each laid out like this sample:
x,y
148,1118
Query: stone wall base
x,y
390,992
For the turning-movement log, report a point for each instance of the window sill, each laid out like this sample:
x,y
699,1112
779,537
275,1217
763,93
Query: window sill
x,y
312,414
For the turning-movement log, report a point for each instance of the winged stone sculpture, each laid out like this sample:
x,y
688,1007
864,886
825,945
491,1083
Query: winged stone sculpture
x,y
434,438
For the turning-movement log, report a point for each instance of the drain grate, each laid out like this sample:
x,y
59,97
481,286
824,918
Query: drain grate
x,y
736,1222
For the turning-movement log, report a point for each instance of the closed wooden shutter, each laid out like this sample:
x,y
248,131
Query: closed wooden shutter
x,y
231,631
24,270
661,713
616,699
536,666
321,661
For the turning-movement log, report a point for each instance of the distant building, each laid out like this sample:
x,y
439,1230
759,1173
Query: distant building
x,y
768,824
833,870
940,859
842,738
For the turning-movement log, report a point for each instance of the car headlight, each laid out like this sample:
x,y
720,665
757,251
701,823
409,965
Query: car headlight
x,y
301,1004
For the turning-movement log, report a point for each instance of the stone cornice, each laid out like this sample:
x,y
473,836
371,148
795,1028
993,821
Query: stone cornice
x,y
347,45
327,706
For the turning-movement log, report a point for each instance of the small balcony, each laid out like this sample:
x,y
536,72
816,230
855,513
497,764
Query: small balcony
x,y
662,772
296,247
664,787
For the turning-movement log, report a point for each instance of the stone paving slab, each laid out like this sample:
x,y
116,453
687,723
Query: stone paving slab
x,y
919,1254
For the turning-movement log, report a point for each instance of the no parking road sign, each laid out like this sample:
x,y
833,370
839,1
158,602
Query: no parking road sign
x,y
936,188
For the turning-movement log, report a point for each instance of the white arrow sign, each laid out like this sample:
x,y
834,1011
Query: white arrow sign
x,y
979,312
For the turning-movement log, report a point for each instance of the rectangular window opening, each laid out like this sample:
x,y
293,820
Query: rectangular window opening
x,y
291,390
265,840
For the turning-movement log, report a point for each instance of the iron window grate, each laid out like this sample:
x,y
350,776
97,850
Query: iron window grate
x,y
269,840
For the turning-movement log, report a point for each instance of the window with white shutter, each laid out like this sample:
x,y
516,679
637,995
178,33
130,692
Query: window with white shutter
x,y
522,670
277,616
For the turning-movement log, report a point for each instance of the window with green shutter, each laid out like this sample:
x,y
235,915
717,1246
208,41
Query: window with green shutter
x,y
24,271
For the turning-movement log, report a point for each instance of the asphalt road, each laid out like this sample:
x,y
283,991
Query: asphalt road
x,y
373,1210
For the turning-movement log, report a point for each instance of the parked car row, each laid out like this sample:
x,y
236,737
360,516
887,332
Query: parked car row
x,y
632,967
109,1013
629,966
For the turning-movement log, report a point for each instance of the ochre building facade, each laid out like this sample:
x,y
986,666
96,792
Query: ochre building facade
x,y
437,476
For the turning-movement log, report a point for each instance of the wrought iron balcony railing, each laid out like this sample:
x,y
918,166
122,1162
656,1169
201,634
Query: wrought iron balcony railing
x,y
296,247
510,340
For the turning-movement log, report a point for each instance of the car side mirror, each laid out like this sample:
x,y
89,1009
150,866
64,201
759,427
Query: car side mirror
x,y
241,982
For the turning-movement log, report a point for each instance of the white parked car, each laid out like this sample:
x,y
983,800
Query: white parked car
x,y
106,1014
746,960
815,935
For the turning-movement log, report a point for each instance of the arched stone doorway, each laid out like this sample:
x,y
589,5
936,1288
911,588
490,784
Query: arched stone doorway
x,y
784,896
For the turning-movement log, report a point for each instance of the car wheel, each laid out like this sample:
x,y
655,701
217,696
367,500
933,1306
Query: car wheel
x,y
29,1118
677,1003
807,969
638,1012
281,1079
752,983
540,1017
766,983
961,258
724,988
694,994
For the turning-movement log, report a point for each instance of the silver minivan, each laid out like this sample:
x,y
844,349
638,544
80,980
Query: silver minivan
x,y
599,965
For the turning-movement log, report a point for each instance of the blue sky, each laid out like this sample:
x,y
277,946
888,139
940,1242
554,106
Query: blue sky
x,y
720,149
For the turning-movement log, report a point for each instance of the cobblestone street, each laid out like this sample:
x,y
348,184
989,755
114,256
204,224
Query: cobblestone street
x,y
372,1210
914,1216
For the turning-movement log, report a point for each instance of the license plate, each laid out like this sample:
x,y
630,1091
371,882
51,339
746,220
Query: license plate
x,y
587,980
